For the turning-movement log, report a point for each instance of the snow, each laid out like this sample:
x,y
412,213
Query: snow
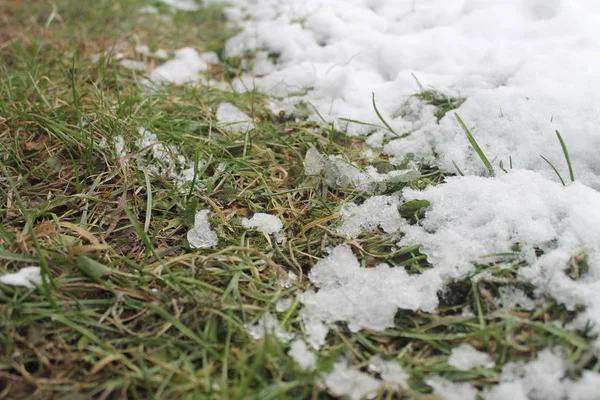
x,y
27,277
184,5
133,65
303,357
344,380
474,216
465,357
338,173
390,371
233,119
376,212
543,378
283,304
362,297
452,390
187,67
201,236
268,224
268,325
523,66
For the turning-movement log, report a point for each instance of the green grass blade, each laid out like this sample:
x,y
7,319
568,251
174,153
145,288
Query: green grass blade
x,y
473,142
389,128
555,170
567,157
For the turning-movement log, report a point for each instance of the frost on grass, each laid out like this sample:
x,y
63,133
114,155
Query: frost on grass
x,y
302,355
344,380
27,277
188,66
201,236
452,390
471,217
376,212
362,297
465,357
233,119
544,378
338,173
268,325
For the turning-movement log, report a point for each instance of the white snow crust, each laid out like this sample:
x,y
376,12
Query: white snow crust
x,y
27,277
268,325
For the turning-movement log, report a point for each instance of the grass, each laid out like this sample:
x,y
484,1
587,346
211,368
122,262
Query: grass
x,y
127,309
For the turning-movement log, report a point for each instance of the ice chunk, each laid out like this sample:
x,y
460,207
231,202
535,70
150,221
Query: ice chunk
x,y
362,297
27,276
184,5
465,357
186,67
376,212
201,236
268,325
338,173
233,119
452,390
344,380
303,357
265,223
390,371
288,282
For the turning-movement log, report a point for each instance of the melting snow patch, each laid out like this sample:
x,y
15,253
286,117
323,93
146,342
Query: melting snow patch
x,y
465,357
233,119
133,65
471,217
28,277
184,5
362,297
265,223
376,212
512,296
186,67
283,304
451,390
303,357
339,173
543,379
268,325
201,236
390,371
344,380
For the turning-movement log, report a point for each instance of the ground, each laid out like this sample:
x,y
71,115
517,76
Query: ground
x,y
127,309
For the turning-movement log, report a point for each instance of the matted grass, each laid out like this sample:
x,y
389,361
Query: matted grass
x,y
127,309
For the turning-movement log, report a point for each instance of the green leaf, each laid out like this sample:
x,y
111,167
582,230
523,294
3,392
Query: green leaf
x,y
92,268
473,142
414,209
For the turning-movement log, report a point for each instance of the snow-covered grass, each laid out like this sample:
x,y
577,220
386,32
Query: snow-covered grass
x,y
135,252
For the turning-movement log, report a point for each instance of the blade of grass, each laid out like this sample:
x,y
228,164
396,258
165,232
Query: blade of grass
x,y
475,146
567,157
